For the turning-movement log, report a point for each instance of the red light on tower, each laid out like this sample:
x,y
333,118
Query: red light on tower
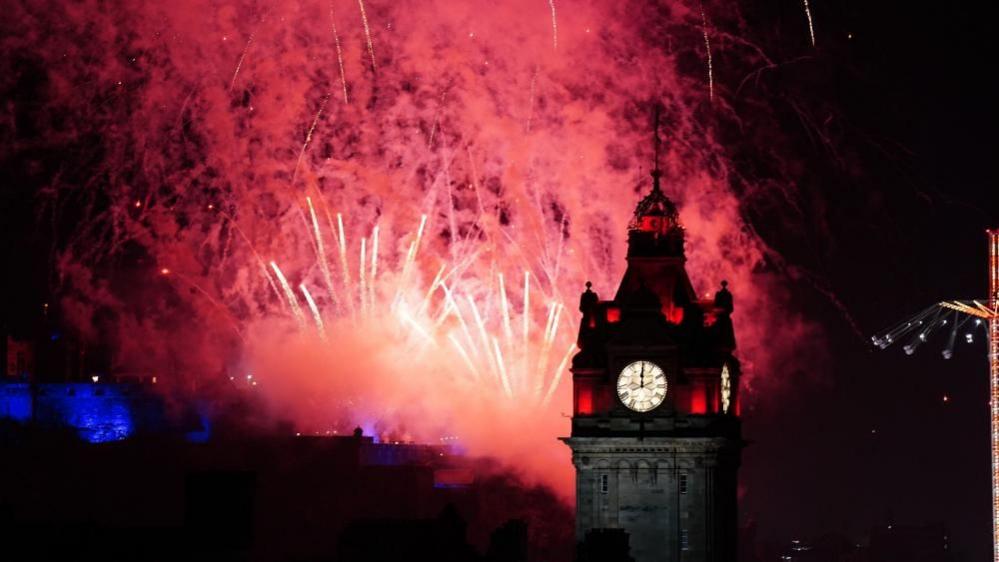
x,y
698,400
584,401
673,314
613,315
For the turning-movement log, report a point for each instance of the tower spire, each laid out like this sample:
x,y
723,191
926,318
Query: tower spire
x,y
657,142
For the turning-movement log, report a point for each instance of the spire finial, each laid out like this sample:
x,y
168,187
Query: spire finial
x,y
656,172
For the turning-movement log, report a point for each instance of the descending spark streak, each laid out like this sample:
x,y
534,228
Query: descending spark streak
x,y
363,265
413,248
315,311
374,253
554,311
551,317
557,376
532,94
505,307
419,236
554,330
260,260
461,318
527,306
433,287
308,138
339,55
811,26
342,240
215,303
408,263
502,369
416,325
442,314
482,331
367,35
464,356
374,265
707,49
289,294
324,266
239,64
551,3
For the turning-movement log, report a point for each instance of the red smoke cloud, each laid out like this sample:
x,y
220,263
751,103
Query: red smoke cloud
x,y
520,129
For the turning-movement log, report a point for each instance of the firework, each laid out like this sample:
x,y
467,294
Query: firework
x,y
811,25
422,310
707,50
395,232
339,55
367,35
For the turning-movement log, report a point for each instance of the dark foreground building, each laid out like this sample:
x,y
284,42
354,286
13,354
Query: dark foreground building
x,y
656,439
260,496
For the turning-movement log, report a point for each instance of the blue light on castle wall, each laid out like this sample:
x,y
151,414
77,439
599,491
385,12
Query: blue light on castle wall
x,y
15,402
98,418
99,413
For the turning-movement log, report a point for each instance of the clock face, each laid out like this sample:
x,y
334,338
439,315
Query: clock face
x,y
641,386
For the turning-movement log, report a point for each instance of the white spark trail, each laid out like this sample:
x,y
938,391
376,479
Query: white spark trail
x,y
482,331
502,369
362,276
416,325
342,240
527,306
505,307
256,254
551,3
707,49
339,55
308,138
374,265
367,35
433,287
461,317
557,376
232,83
324,265
553,328
464,356
811,26
289,294
315,311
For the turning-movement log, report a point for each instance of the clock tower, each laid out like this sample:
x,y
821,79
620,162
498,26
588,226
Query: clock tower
x,y
656,437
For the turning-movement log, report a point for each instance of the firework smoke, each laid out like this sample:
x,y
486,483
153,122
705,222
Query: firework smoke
x,y
363,261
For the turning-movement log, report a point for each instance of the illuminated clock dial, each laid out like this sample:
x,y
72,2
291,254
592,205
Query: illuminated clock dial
x,y
641,386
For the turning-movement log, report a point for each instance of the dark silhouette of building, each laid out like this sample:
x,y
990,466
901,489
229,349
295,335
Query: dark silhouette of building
x,y
261,496
604,545
390,540
656,440
508,543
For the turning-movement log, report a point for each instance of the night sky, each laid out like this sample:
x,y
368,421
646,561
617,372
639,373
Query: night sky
x,y
866,438
899,186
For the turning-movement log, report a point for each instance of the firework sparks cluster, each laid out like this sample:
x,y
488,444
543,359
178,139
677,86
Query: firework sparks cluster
x,y
384,210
